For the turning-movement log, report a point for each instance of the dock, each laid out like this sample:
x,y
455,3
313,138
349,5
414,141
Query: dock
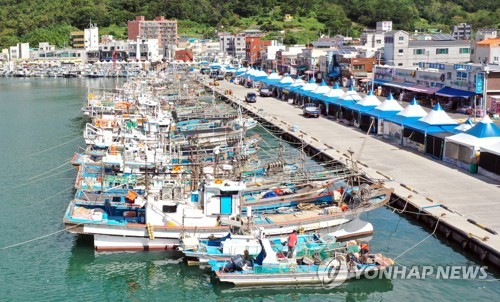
x,y
458,206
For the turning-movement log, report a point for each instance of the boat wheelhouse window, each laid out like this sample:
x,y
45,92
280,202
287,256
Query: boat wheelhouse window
x,y
228,193
116,199
169,208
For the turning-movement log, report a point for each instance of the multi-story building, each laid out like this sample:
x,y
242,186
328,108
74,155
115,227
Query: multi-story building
x,y
463,31
375,38
254,49
113,50
400,50
87,39
165,31
481,35
487,51
144,50
233,45
184,55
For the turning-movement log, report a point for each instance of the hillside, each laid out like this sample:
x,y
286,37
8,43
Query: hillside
x,y
51,20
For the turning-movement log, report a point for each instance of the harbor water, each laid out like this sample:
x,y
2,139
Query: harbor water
x,y
41,126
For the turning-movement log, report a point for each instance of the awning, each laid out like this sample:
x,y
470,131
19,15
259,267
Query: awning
x,y
454,93
301,67
382,82
422,89
398,85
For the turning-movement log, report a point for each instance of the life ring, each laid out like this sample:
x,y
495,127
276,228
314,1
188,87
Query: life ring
x,y
177,169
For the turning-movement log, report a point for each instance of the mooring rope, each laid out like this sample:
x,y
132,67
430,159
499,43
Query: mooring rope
x,y
38,238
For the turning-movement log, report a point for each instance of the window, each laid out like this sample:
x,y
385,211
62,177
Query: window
x,y
419,51
400,51
461,76
358,67
401,38
464,50
495,59
378,41
400,64
389,40
441,51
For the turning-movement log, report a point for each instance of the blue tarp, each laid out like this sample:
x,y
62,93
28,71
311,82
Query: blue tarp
x,y
453,93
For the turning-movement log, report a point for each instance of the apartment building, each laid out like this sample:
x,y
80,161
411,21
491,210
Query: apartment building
x,y
165,31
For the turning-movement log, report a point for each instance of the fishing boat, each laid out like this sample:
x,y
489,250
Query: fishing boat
x,y
201,251
335,264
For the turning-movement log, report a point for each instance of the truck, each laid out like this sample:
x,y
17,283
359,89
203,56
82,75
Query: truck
x,y
311,110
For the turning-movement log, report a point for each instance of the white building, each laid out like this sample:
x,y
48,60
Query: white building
x,y
399,50
144,50
384,26
487,51
91,38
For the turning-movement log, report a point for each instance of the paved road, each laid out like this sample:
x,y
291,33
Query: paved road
x,y
473,196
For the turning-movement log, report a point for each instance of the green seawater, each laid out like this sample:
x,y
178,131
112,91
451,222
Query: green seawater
x,y
41,128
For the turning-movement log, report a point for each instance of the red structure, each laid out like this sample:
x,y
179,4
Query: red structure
x,y
159,28
184,55
255,47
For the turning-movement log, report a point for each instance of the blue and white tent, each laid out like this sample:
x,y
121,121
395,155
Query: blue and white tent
x,y
388,108
461,148
284,82
318,91
436,121
331,97
393,125
272,78
311,85
469,123
241,71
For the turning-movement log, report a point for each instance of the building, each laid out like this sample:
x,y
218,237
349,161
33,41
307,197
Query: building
x,y
374,38
233,45
255,48
185,55
487,51
87,39
463,31
113,50
165,31
144,50
357,68
400,50
77,40
481,35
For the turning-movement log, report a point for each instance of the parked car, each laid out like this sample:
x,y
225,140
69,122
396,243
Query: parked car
x,y
213,74
220,77
265,92
311,110
205,70
251,97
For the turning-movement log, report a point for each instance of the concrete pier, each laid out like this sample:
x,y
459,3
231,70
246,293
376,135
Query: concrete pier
x,y
462,207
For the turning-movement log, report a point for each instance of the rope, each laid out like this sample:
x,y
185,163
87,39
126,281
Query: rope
x,y
415,245
51,148
23,185
39,202
36,176
38,238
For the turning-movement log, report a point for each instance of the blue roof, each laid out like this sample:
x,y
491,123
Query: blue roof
x,y
452,92
358,107
426,128
381,113
400,119
484,129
